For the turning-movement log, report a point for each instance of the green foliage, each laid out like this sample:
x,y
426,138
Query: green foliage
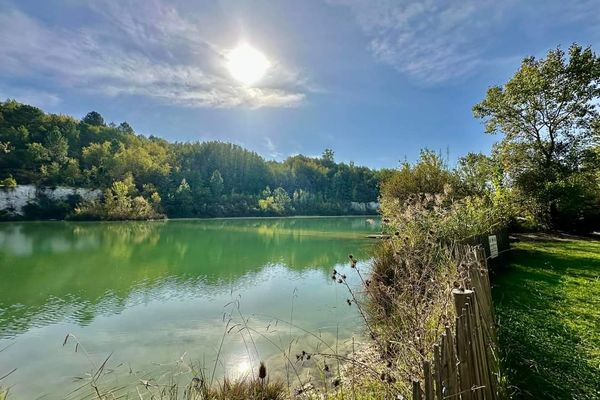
x,y
548,104
277,202
221,179
93,118
4,147
548,115
478,174
125,128
57,146
216,184
328,157
429,174
120,202
9,181
431,200
547,305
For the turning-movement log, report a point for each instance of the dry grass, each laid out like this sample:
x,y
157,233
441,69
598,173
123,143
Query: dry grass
x,y
240,389
324,373
408,300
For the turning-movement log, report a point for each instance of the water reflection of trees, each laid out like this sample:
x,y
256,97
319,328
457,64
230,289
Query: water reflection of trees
x,y
77,270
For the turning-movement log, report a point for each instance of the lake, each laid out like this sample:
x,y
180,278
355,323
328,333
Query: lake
x,y
163,297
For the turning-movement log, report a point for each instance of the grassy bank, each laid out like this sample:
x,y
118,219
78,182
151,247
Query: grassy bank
x,y
548,309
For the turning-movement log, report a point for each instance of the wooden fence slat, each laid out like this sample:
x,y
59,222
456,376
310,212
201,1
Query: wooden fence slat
x,y
438,371
486,310
462,352
474,356
453,386
428,381
416,390
481,349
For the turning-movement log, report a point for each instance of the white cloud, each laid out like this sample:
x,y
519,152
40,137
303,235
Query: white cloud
x,y
435,41
141,48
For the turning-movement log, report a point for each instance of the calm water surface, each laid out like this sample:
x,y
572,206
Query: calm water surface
x,y
159,295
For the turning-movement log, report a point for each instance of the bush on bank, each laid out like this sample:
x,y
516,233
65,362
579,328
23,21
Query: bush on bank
x,y
428,211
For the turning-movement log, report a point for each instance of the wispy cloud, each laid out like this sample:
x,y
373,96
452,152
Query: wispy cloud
x,y
436,41
429,40
271,148
141,48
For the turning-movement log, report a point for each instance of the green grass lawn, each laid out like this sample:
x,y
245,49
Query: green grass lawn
x,y
548,310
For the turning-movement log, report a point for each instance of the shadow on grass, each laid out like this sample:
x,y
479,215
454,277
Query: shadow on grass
x,y
548,310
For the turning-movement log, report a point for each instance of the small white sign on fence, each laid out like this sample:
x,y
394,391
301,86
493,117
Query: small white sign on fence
x,y
493,246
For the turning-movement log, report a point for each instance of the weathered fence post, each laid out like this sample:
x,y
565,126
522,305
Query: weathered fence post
x,y
428,381
438,371
463,343
451,361
416,390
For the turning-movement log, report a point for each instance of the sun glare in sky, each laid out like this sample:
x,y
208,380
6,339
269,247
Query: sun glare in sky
x,y
246,64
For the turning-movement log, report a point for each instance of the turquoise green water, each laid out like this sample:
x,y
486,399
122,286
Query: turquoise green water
x,y
158,296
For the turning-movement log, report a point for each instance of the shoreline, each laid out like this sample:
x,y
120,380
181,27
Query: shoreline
x,y
195,219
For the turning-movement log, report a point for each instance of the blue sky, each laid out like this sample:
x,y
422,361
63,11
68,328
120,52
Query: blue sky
x,y
376,80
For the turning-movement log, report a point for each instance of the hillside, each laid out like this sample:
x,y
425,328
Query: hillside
x,y
198,179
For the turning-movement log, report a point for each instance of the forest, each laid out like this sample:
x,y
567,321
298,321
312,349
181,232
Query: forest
x,y
148,177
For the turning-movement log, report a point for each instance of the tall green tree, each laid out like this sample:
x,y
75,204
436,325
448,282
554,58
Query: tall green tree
x,y
57,146
548,106
328,158
282,201
216,183
93,118
546,113
477,173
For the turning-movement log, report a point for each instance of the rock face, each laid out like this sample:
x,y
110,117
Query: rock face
x,y
12,200
364,207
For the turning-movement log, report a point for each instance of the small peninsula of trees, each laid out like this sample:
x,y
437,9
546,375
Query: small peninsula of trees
x,y
147,177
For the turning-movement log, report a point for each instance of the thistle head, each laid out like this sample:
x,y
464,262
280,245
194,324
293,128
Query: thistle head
x,y
262,371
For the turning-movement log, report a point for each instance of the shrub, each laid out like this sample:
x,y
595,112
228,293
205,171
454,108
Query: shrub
x,y
9,181
414,271
429,175
118,204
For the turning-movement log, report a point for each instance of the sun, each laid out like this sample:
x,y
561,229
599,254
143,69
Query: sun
x,y
246,64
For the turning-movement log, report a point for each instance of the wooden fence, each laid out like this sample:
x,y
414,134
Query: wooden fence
x,y
464,364
502,245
